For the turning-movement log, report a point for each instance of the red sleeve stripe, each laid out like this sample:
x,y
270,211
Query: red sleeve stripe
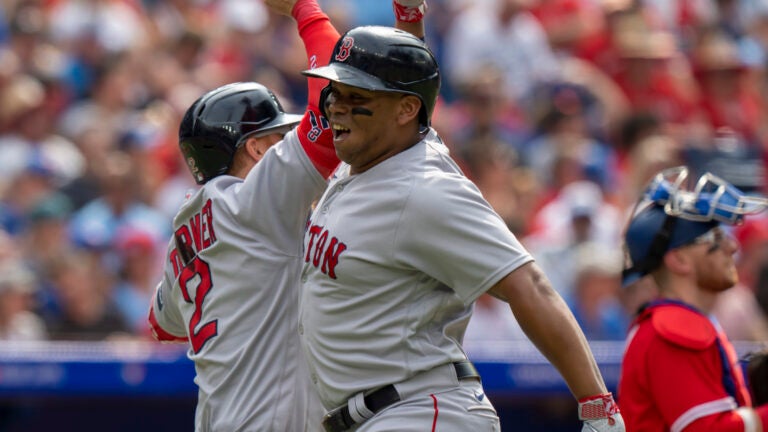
x,y
700,411
159,333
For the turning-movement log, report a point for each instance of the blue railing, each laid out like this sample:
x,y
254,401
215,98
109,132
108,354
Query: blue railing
x,y
123,368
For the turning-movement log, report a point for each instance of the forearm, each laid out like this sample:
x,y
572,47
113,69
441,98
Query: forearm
x,y
409,16
319,37
549,324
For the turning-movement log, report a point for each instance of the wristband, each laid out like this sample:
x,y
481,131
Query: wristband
x,y
411,11
598,407
305,10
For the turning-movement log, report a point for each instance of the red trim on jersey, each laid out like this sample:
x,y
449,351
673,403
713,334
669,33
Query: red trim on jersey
x,y
434,419
158,332
319,38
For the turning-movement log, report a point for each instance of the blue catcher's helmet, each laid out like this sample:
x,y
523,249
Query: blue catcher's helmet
x,y
669,216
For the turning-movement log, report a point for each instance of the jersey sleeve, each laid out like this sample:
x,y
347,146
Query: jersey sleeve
x,y
453,234
165,320
277,195
314,131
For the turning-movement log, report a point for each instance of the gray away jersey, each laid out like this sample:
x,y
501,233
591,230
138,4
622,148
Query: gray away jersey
x,y
237,302
395,257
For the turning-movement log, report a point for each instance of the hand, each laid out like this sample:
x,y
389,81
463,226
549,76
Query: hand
x,y
281,7
409,11
600,414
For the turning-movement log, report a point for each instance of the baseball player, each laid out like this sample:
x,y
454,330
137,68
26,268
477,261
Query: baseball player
x,y
680,371
230,286
398,249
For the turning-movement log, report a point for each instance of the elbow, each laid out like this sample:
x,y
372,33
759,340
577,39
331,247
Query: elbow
x,y
526,281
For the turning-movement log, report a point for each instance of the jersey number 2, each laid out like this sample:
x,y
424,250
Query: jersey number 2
x,y
198,267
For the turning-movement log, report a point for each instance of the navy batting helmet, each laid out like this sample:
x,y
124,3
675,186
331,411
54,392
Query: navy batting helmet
x,y
670,216
384,59
218,122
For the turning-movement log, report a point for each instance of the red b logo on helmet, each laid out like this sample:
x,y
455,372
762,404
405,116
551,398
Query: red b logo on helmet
x,y
344,48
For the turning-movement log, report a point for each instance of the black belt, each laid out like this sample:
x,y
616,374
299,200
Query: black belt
x,y
339,419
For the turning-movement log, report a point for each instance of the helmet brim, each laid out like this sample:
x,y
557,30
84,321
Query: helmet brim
x,y
281,121
341,73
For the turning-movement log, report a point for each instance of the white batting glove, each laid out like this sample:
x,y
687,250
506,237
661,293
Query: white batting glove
x,y
600,414
409,11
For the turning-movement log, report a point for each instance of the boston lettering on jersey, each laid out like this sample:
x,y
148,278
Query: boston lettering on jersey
x,y
193,237
324,253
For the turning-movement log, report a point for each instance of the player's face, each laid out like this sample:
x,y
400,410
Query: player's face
x,y
365,127
715,266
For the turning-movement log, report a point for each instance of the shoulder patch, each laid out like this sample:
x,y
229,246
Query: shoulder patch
x,y
683,327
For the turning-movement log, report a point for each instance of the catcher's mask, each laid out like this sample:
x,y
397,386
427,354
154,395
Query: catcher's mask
x,y
386,59
669,216
217,123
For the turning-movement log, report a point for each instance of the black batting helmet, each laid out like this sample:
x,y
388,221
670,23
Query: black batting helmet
x,y
217,123
384,59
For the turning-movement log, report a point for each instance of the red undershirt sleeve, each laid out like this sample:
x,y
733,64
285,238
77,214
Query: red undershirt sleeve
x,y
319,38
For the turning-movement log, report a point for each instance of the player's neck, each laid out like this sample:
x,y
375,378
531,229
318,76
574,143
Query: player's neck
x,y
690,294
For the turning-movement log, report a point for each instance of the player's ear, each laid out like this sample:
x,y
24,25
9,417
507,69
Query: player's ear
x,y
256,147
678,261
410,106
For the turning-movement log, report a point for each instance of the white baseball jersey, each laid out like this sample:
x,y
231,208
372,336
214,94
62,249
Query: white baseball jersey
x,y
237,301
395,258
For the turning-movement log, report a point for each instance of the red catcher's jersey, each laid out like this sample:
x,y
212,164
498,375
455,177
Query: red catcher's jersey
x,y
680,373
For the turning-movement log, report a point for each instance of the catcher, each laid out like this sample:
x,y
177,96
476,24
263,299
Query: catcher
x,y
680,371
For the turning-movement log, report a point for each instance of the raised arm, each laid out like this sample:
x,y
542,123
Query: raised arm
x,y
549,324
319,37
409,16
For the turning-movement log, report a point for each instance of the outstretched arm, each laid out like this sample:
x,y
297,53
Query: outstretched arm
x,y
319,37
549,324
409,16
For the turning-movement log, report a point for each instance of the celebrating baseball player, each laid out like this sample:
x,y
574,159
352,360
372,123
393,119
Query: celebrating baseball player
x,y
398,249
680,372
230,286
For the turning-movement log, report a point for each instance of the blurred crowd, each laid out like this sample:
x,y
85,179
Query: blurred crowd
x,y
559,110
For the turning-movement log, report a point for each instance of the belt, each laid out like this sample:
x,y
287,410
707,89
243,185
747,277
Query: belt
x,y
340,419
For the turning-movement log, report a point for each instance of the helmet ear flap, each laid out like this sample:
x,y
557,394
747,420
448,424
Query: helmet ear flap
x,y
324,93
